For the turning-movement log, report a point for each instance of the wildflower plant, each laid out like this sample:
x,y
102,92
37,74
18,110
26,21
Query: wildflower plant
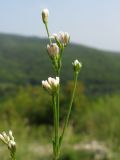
x,y
55,49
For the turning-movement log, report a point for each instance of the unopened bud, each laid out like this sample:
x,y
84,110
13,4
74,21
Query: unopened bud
x,y
11,144
7,138
2,138
45,14
11,135
53,49
64,38
77,66
46,85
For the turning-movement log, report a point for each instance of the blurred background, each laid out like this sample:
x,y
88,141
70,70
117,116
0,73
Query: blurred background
x,y
94,129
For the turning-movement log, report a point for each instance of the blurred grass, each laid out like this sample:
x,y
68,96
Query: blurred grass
x,y
28,114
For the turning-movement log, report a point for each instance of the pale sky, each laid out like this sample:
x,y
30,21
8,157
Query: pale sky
x,y
95,23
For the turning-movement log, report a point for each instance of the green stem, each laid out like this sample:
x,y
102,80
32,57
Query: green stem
x,y
70,107
46,26
55,123
61,54
13,157
57,112
58,106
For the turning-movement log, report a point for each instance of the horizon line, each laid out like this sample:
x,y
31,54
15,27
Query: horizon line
x,y
72,42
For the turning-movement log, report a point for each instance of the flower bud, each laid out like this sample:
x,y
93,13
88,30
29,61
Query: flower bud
x,y
46,85
77,66
64,38
7,138
52,49
45,14
51,85
11,135
2,138
12,147
11,144
53,82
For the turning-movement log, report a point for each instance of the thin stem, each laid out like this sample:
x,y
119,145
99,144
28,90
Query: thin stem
x,y
62,49
55,123
57,112
70,107
58,106
46,26
13,157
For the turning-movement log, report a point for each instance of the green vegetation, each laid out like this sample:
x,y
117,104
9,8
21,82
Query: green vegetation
x,y
25,107
24,61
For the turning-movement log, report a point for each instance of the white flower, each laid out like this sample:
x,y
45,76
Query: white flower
x,y
8,139
64,38
51,84
76,65
52,49
45,14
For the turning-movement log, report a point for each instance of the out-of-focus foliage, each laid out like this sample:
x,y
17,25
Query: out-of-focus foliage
x,y
26,108
98,119
24,61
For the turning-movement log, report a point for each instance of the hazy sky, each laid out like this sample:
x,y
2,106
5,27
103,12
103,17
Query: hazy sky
x,y
91,22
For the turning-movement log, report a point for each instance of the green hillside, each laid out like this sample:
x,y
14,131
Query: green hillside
x,y
24,60
95,115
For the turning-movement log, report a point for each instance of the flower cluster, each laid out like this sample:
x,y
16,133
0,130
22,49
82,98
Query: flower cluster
x,y
51,85
9,141
57,43
63,38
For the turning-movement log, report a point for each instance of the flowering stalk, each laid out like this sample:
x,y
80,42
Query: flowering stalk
x,y
55,52
69,108
52,86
